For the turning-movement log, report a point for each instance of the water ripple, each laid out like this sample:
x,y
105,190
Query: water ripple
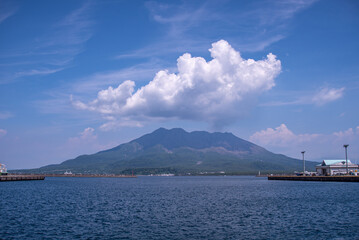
x,y
178,208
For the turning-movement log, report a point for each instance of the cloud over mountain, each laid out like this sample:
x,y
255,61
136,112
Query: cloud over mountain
x,y
281,136
317,145
217,91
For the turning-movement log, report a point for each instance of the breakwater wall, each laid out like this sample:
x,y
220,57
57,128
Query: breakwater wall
x,y
91,175
315,178
7,178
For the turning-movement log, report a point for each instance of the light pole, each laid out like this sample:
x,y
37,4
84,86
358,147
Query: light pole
x,y
303,163
346,156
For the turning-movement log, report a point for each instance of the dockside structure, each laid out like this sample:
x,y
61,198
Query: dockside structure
x,y
336,167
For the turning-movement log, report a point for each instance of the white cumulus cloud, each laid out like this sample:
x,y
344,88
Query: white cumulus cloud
x,y
345,134
216,91
86,136
327,95
86,142
280,136
317,146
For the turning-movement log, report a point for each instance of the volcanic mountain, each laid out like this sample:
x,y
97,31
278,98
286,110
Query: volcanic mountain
x,y
180,152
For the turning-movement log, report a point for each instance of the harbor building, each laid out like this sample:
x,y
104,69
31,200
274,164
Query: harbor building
x,y
3,170
336,167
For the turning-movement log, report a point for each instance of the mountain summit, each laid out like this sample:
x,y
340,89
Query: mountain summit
x,y
180,152
179,138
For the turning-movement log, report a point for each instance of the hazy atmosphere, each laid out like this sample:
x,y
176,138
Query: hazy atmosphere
x,y
77,77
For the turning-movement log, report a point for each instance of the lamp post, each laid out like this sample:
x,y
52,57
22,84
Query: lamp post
x,y
346,156
303,163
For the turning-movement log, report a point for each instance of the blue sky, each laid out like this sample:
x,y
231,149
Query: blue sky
x,y
77,77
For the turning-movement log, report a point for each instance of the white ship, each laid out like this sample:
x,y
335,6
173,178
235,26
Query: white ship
x,y
68,173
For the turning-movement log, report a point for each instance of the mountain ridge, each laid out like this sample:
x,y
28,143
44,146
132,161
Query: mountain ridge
x,y
181,152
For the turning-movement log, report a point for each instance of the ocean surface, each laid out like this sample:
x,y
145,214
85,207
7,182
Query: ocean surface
x,y
178,208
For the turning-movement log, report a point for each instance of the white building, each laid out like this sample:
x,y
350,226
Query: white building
x,y
335,167
3,170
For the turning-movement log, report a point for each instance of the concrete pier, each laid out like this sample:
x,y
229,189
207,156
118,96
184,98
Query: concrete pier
x,y
6,178
315,178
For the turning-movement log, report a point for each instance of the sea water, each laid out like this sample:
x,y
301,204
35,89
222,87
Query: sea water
x,y
178,208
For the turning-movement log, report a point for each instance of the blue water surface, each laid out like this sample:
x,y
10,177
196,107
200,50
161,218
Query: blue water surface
x,y
178,208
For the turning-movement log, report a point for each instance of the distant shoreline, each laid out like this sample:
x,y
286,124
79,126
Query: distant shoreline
x,y
79,175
